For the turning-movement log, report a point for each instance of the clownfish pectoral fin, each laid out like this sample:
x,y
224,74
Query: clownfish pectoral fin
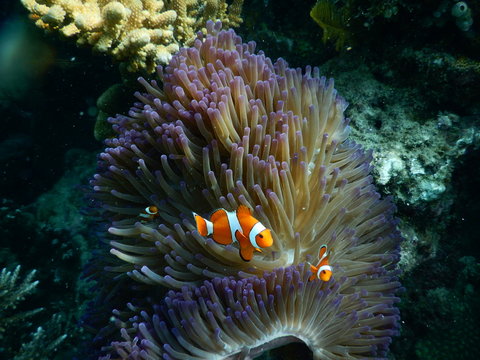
x,y
257,249
243,210
242,239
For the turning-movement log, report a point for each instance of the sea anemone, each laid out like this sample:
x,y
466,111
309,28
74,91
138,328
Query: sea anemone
x,y
229,127
224,317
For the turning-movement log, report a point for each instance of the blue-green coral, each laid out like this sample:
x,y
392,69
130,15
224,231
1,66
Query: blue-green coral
x,y
41,343
13,292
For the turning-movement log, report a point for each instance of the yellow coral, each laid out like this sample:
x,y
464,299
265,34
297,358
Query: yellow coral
x,y
142,33
333,21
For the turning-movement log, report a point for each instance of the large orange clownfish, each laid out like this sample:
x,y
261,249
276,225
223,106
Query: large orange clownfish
x,y
227,226
323,270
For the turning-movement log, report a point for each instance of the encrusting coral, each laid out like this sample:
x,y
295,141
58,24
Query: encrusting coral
x,y
143,33
229,127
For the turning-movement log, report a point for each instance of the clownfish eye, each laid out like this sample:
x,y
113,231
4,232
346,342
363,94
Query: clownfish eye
x,y
260,235
323,271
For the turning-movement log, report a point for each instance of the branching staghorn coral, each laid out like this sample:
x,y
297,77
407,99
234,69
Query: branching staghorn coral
x,y
40,344
143,33
44,341
229,127
11,293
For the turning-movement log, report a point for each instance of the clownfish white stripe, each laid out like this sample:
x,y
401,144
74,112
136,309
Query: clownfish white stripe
x,y
323,257
323,268
234,223
209,227
256,229
148,211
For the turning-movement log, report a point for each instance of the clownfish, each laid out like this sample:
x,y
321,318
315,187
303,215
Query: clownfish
x,y
323,270
149,213
227,226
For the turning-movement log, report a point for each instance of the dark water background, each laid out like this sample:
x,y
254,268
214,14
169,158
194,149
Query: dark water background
x,y
48,93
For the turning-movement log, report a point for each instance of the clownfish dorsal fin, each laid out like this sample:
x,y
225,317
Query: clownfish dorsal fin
x,y
216,214
243,210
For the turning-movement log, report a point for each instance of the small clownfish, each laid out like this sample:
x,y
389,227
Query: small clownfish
x,y
149,213
323,270
227,226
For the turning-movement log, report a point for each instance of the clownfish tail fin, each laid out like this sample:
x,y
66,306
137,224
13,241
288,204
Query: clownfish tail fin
x,y
202,225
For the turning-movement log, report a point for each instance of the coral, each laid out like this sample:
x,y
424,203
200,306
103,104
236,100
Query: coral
x,y
109,102
193,14
435,72
42,344
444,309
416,152
11,293
229,127
60,208
44,341
53,233
143,33
333,21
463,15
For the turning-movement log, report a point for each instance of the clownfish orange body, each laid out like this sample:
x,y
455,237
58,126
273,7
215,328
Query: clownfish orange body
x,y
227,226
149,213
323,270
